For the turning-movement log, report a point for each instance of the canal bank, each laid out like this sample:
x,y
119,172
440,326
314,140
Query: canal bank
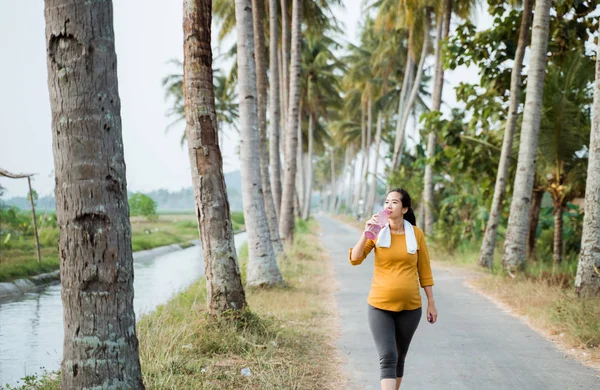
x,y
31,324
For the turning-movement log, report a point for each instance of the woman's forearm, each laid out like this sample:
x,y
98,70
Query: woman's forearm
x,y
429,293
359,248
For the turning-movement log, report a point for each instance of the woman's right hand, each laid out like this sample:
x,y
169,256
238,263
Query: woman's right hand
x,y
372,221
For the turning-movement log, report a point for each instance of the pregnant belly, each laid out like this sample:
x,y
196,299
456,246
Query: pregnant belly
x,y
397,296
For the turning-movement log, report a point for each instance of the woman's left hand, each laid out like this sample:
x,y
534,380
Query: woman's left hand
x,y
431,313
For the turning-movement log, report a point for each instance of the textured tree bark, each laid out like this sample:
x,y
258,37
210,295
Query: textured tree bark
x,y
300,173
35,229
309,174
100,343
518,220
285,59
587,281
223,282
364,189
286,223
558,235
397,158
443,29
488,244
258,9
534,218
275,107
373,188
262,264
363,135
404,93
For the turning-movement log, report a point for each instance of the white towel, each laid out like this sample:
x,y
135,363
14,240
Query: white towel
x,y
384,240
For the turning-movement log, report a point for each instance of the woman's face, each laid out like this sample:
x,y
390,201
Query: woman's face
x,y
393,202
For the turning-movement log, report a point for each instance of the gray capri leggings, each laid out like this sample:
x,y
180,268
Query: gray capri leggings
x,y
392,332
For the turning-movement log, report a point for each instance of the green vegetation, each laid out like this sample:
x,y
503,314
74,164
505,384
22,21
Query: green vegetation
x,y
182,348
17,243
142,205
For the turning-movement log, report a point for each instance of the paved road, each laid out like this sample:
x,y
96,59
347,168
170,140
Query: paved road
x,y
474,345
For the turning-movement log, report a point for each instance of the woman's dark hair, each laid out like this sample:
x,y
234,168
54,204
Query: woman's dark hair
x,y
406,202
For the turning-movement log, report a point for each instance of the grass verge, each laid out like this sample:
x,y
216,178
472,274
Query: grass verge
x,y
286,341
18,258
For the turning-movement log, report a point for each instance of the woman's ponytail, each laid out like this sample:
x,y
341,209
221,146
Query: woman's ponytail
x,y
410,217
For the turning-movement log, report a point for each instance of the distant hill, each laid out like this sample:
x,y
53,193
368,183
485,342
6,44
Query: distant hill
x,y
182,200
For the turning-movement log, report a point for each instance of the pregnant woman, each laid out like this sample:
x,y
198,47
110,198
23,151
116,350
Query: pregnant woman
x,y
401,263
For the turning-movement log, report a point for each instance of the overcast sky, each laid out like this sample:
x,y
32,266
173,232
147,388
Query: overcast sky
x,y
148,33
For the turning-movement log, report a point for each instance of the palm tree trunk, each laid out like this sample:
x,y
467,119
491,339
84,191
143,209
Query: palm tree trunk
x,y
223,280
558,235
309,173
96,270
413,94
262,264
534,218
587,281
286,223
518,221
274,104
363,140
285,65
283,121
373,189
333,191
408,75
300,174
258,10
352,190
488,244
443,29
367,151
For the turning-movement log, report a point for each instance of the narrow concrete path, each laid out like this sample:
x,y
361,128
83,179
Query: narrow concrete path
x,y
474,345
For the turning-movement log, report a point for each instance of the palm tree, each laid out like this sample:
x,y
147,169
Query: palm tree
x,y
320,97
587,281
224,94
258,9
262,264
444,17
488,244
563,133
518,221
286,221
275,107
91,193
223,281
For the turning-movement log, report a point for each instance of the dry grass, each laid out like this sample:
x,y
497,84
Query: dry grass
x,y
287,340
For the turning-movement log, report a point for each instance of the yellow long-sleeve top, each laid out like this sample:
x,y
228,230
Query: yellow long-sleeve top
x,y
395,286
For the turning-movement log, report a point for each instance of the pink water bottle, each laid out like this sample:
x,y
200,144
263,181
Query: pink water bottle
x,y
373,230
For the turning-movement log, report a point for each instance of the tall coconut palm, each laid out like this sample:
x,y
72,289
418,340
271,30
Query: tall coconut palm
x,y
96,262
260,52
262,264
587,281
397,157
373,187
275,108
320,96
224,94
488,244
518,221
564,132
286,221
223,282
444,17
